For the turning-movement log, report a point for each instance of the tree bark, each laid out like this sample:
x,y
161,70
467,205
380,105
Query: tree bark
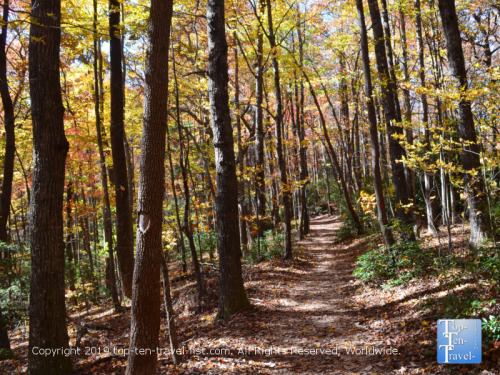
x,y
304,175
124,240
8,167
232,293
393,121
145,316
260,188
285,189
372,118
430,204
107,223
47,308
474,183
10,141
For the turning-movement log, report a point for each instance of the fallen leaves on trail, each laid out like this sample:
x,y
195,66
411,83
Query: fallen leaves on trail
x,y
312,318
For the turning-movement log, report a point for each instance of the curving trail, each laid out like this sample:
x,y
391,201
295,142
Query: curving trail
x,y
309,315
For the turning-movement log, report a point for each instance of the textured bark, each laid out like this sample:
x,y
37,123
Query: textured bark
x,y
145,316
474,185
372,118
393,121
232,294
285,189
47,308
124,240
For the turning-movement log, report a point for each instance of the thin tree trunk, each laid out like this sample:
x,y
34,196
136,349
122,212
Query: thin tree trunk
x,y
243,209
10,141
372,118
430,203
169,311
47,310
124,236
232,293
285,189
106,209
145,315
184,164
260,189
304,176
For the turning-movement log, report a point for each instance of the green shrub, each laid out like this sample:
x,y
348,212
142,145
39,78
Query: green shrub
x,y
491,328
271,247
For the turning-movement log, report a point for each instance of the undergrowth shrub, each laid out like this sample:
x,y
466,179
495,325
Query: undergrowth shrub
x,y
271,247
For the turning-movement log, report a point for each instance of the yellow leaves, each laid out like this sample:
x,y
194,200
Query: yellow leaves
x,y
368,203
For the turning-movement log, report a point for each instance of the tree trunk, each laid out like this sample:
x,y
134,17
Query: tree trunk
x,y
304,175
430,204
285,189
169,311
10,141
372,118
242,205
47,306
232,293
260,188
474,184
184,164
124,240
393,121
107,223
145,315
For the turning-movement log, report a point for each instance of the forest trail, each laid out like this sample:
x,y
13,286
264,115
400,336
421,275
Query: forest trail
x,y
313,311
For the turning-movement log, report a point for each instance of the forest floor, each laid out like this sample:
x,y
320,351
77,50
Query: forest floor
x,y
308,316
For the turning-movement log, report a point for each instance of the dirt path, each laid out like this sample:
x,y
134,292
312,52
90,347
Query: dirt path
x,y
307,322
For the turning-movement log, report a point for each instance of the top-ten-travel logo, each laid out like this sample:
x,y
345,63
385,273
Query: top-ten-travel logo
x,y
459,341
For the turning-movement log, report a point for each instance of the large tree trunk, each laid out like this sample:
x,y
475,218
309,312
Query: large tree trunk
x,y
124,240
285,189
474,183
393,121
47,306
232,294
145,317
372,118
